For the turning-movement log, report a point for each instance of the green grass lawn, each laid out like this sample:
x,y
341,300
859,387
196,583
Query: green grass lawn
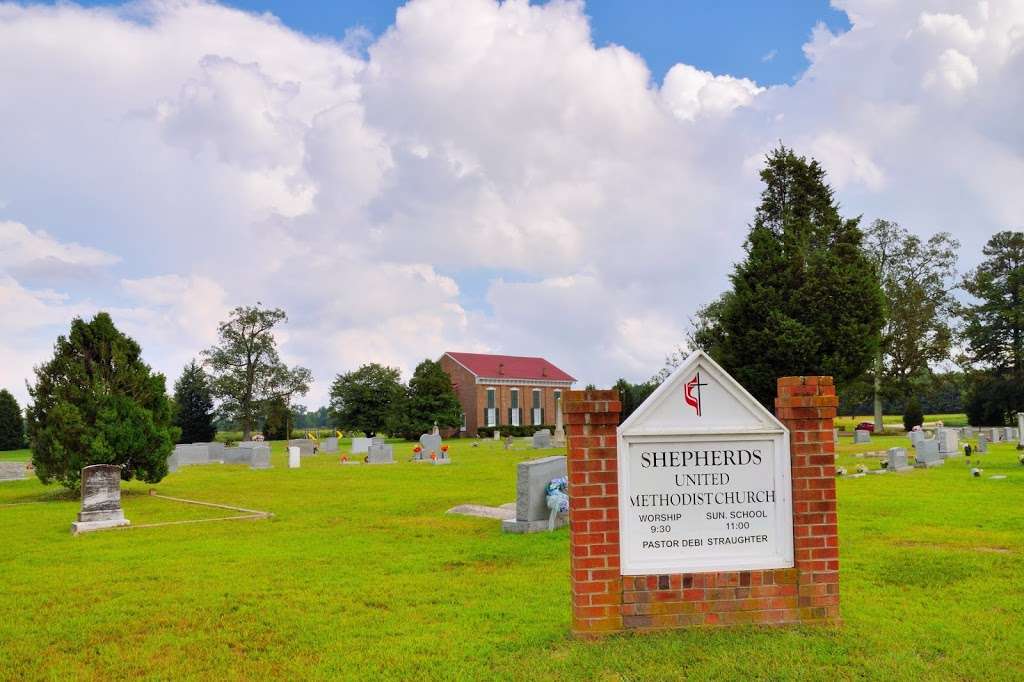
x,y
360,574
848,423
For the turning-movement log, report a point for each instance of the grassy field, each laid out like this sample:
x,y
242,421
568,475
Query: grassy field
x,y
360,574
848,423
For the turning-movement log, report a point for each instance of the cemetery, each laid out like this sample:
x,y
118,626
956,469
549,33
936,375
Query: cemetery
x,y
370,552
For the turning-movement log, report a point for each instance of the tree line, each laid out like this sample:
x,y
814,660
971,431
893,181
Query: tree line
x,y
878,308
95,401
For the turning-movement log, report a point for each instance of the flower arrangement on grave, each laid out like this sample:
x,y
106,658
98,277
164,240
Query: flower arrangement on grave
x,y
840,471
884,463
444,448
344,458
433,456
976,472
417,449
861,469
557,494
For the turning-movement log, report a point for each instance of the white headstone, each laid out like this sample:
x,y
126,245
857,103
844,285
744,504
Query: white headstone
x,y
704,478
559,428
294,457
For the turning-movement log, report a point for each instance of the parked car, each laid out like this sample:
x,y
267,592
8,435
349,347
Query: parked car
x,y
866,426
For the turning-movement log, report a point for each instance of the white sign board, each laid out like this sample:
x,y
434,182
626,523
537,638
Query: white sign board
x,y
704,478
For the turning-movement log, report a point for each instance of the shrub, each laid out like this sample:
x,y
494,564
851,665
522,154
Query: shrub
x,y
912,416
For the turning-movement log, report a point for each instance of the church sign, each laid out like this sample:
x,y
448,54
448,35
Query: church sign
x,y
704,479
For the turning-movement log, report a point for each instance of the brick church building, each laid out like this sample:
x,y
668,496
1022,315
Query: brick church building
x,y
504,390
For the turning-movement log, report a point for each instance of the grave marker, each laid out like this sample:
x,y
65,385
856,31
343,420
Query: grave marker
x,y
896,460
101,499
360,445
294,457
559,427
927,454
861,436
542,439
380,453
532,511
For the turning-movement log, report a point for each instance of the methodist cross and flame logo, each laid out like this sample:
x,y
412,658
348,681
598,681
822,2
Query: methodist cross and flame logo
x,y
691,393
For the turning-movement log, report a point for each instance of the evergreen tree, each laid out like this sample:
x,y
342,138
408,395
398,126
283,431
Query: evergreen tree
x,y
96,402
633,395
279,420
430,399
194,406
805,300
912,416
994,331
364,399
12,424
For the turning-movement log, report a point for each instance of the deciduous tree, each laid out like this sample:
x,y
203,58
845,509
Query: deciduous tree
x,y
363,399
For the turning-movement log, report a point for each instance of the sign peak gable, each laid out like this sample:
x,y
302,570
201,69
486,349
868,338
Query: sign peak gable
x,y
700,396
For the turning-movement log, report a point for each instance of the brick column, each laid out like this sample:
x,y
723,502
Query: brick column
x,y
591,420
807,406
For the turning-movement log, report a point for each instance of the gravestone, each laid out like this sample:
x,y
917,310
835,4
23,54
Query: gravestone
x,y
916,437
927,454
12,471
861,436
380,453
215,451
982,443
835,436
306,446
1020,429
360,445
1008,434
948,442
541,439
430,442
101,499
896,460
189,454
532,511
993,434
329,445
968,432
497,434
559,427
294,457
260,457
240,454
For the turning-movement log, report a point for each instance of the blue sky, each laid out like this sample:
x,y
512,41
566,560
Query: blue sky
x,y
749,38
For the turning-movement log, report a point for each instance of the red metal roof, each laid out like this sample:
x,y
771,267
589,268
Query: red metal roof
x,y
509,367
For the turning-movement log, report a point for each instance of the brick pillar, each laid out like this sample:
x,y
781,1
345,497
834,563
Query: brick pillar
x,y
807,407
591,420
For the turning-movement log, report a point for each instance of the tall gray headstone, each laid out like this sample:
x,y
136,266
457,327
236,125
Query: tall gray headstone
x,y
532,512
329,445
360,445
948,442
982,443
916,437
497,434
541,439
259,457
101,499
1020,429
993,434
927,453
861,436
